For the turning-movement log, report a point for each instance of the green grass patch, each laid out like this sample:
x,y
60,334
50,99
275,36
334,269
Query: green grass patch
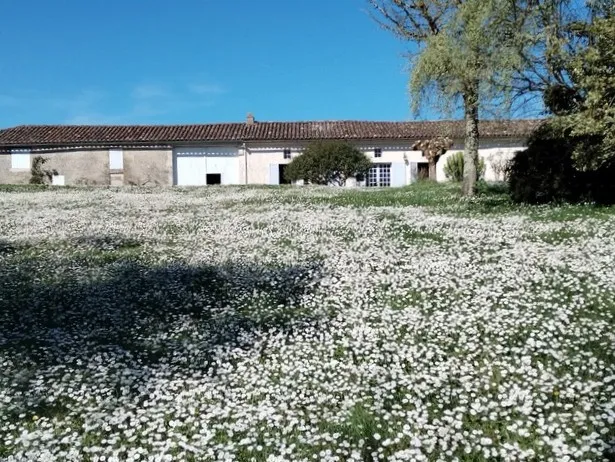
x,y
411,235
560,236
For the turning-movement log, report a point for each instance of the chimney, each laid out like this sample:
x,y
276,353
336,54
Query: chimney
x,y
250,119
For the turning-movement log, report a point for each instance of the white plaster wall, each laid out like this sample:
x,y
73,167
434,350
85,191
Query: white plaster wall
x,y
261,156
259,159
395,154
497,157
491,150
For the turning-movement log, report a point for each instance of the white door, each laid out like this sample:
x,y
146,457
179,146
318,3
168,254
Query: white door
x,y
192,165
379,175
190,170
226,166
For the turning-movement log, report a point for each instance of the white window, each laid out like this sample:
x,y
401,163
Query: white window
x,y
116,159
20,160
379,175
286,153
377,152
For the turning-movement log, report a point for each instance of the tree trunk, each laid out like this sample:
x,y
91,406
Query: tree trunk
x,y
470,154
432,161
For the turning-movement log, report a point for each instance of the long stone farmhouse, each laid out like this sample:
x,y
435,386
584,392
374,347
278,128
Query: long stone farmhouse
x,y
237,153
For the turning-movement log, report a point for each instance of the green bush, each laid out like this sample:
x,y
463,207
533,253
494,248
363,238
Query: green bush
x,y
545,172
328,162
453,168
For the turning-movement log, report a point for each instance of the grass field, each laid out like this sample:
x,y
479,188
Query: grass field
x,y
312,324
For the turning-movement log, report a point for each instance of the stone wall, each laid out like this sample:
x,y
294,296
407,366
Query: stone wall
x,y
80,167
9,175
141,168
148,167
77,167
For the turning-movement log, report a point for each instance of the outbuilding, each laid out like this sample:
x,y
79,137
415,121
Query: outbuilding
x,y
250,152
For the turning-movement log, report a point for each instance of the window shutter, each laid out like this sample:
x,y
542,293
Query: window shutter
x,y
20,160
116,159
414,172
398,174
274,174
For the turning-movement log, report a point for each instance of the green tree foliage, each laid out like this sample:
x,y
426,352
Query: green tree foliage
x,y
544,39
328,162
545,172
572,156
586,108
467,51
453,168
548,36
38,174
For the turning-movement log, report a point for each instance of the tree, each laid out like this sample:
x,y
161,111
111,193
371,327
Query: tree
x,y
590,117
571,157
544,25
466,49
548,37
328,162
432,150
569,61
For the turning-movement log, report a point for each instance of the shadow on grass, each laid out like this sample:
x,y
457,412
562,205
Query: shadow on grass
x,y
124,318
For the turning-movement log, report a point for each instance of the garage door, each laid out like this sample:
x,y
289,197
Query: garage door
x,y
191,170
194,166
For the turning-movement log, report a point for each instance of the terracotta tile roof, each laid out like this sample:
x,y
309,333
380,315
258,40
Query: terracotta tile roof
x,y
75,135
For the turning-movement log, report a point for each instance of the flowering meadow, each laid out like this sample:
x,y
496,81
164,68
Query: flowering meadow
x,y
303,324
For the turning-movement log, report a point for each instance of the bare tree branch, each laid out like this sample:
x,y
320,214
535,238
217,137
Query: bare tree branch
x,y
413,20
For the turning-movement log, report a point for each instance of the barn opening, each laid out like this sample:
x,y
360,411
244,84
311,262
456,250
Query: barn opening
x,y
282,176
423,171
214,178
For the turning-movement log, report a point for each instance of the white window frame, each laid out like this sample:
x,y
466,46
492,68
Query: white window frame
x,y
116,159
377,153
379,176
286,153
20,160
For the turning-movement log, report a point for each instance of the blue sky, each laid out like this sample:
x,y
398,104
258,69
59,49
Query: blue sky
x,y
198,61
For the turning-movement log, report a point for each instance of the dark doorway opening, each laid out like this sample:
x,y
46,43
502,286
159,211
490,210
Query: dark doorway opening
x,y
423,171
214,178
282,176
